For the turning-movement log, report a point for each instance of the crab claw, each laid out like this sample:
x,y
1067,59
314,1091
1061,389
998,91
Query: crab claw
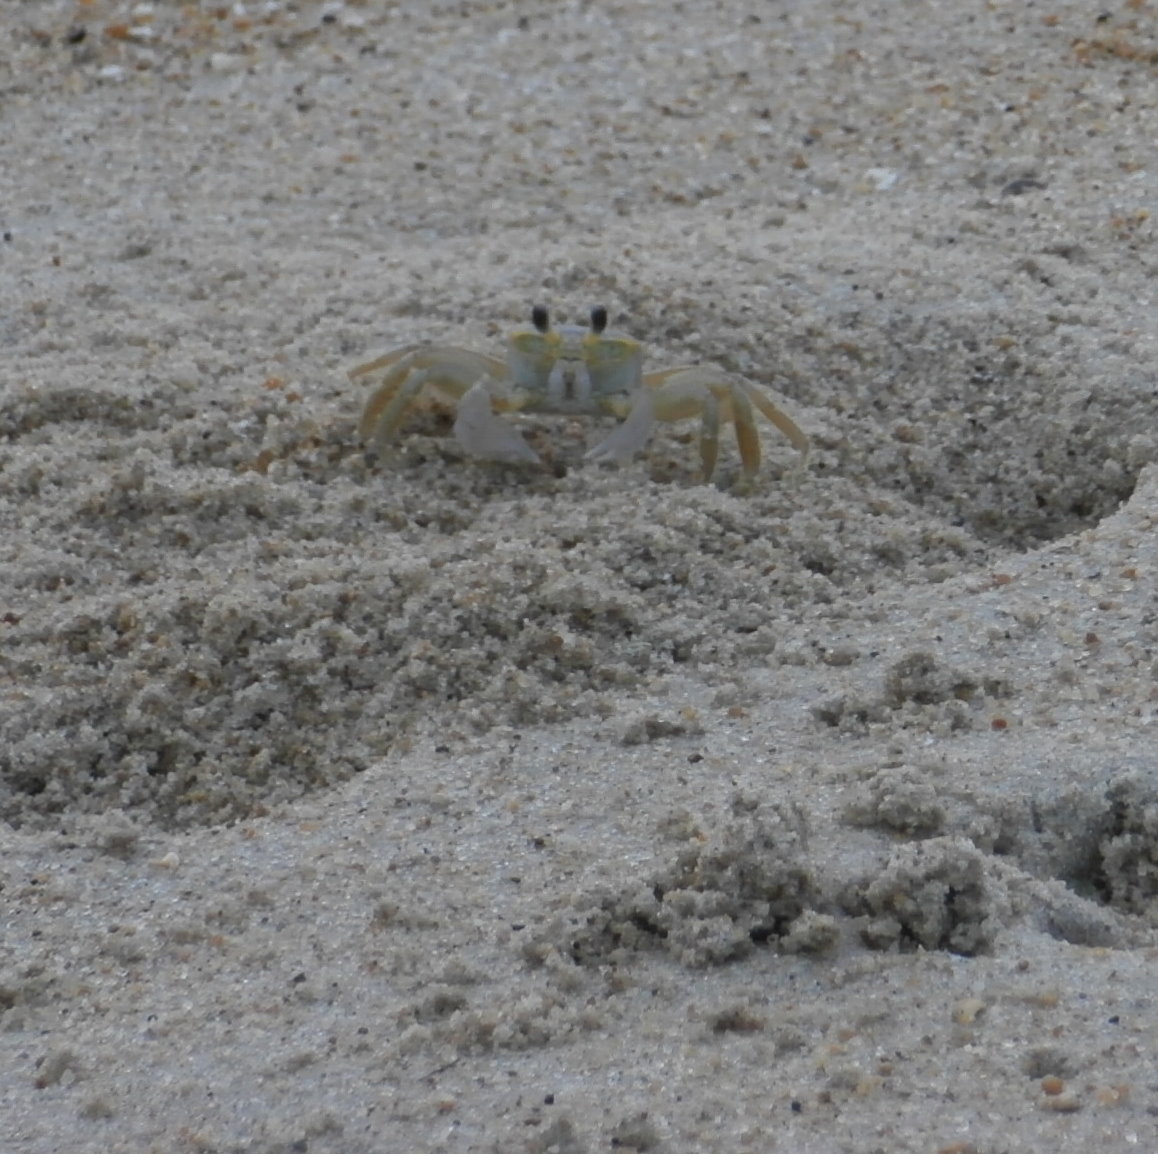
x,y
483,434
631,435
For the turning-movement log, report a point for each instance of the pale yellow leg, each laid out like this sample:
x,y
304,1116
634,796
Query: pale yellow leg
x,y
383,362
747,435
780,419
388,406
694,391
448,370
709,435
686,392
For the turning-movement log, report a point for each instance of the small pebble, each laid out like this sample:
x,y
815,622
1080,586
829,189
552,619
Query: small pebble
x,y
967,1011
1061,1104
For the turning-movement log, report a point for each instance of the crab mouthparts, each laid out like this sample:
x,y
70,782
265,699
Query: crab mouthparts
x,y
569,383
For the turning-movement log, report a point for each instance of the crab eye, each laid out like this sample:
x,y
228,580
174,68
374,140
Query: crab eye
x,y
540,318
598,319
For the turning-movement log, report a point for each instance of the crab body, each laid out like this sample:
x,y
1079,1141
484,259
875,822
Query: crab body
x,y
569,369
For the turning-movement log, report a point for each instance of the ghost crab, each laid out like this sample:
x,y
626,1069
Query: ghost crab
x,y
569,369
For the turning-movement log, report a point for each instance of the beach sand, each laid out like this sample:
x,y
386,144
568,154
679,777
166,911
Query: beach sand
x,y
363,803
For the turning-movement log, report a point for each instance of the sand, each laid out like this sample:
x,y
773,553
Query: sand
x,y
409,802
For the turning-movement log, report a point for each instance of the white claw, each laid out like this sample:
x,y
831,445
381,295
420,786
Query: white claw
x,y
483,434
627,438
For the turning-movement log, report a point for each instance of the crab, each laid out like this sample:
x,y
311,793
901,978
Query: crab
x,y
569,369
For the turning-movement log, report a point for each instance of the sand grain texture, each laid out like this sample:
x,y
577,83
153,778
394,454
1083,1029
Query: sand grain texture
x,y
421,804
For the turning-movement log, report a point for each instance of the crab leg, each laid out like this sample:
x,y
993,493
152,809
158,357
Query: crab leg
x,y
382,362
447,370
779,418
709,434
691,391
388,405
